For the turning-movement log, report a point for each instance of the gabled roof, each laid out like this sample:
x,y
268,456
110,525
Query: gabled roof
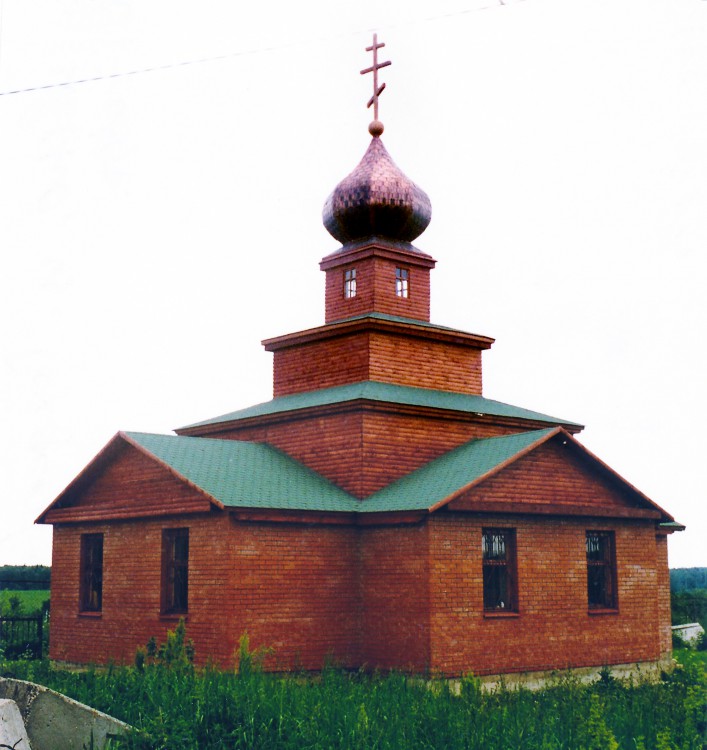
x,y
370,390
444,479
235,474
436,483
241,474
228,473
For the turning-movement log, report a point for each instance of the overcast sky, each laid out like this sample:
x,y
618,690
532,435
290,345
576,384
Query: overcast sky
x,y
155,227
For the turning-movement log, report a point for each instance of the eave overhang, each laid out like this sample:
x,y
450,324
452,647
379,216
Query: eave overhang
x,y
381,323
379,397
439,486
650,510
57,512
356,250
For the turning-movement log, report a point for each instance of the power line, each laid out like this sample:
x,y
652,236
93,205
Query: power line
x,y
230,55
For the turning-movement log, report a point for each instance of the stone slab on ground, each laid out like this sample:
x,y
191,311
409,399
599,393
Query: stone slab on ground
x,y
12,729
55,722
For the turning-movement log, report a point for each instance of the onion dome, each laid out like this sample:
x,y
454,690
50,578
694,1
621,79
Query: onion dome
x,y
377,200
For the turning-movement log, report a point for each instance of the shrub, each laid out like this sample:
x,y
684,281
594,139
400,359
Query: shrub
x,y
177,652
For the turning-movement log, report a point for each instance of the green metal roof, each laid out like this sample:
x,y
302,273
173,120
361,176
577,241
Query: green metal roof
x,y
254,475
246,475
385,392
450,473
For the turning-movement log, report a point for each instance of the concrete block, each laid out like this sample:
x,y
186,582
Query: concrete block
x,y
55,722
12,729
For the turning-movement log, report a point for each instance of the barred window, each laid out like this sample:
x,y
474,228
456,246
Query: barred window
x,y
499,568
175,571
91,587
601,570
402,282
349,283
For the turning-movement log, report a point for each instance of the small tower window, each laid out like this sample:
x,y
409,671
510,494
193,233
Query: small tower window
x,y
402,282
349,283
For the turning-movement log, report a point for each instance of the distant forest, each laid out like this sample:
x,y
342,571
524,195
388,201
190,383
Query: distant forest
x,y
24,577
687,579
688,595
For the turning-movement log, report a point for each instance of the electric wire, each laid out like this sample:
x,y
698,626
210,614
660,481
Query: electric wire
x,y
240,53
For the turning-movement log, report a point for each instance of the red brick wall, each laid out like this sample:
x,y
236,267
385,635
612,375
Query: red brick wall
x,y
131,484
290,587
394,581
375,290
663,608
363,452
422,363
399,596
396,444
554,474
329,444
554,629
298,589
321,364
131,590
375,355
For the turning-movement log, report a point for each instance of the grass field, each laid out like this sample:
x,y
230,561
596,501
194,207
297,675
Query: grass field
x,y
174,705
30,601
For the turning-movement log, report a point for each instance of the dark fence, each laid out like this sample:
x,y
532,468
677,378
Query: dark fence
x,y
22,635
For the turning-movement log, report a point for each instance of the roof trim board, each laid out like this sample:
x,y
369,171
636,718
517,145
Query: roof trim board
x,y
370,390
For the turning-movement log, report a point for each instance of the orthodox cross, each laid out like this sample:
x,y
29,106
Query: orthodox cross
x,y
377,90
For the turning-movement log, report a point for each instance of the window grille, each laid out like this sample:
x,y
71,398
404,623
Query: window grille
x,y
498,553
601,570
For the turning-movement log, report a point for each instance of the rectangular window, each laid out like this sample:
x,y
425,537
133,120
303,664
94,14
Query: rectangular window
x,y
601,570
499,565
349,283
402,282
175,571
91,588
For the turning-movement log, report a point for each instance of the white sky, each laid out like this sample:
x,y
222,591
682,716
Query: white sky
x,y
155,227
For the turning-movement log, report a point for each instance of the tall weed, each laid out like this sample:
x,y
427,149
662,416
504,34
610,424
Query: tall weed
x,y
188,708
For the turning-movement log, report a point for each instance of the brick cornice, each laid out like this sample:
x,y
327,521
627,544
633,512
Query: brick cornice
x,y
375,247
87,514
368,323
246,515
552,509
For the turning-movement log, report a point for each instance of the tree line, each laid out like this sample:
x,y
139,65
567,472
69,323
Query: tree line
x,y
687,579
24,577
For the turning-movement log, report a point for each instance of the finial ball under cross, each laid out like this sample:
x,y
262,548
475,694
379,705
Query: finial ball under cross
x,y
376,127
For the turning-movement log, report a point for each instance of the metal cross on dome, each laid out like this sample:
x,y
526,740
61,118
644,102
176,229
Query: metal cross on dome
x,y
376,127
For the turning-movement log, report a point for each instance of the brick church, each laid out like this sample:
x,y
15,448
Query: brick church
x,y
378,511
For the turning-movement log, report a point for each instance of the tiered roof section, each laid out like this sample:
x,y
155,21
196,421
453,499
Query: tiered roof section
x,y
378,390
377,414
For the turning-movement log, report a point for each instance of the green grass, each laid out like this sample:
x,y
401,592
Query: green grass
x,y
30,601
175,705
